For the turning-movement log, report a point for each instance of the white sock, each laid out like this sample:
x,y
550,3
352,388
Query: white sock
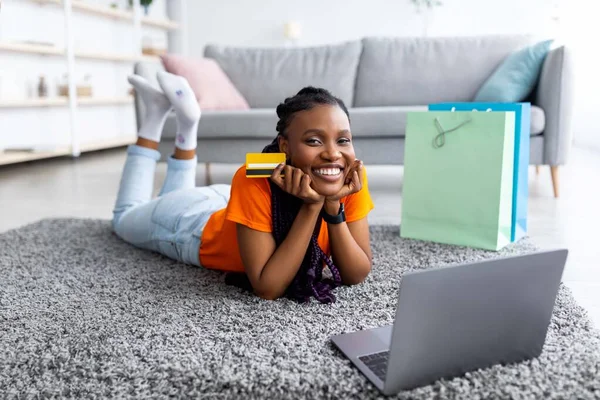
x,y
187,110
157,108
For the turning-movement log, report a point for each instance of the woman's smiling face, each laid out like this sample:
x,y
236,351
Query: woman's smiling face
x,y
319,142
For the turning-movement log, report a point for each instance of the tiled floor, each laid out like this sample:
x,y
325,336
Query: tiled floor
x,y
86,187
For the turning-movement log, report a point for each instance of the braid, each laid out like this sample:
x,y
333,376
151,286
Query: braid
x,y
308,281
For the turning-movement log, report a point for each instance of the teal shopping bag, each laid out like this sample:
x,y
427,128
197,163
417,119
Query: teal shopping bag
x,y
458,178
521,159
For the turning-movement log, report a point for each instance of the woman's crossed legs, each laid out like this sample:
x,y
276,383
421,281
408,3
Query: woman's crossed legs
x,y
172,223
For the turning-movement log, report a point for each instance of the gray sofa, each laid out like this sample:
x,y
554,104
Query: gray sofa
x,y
380,80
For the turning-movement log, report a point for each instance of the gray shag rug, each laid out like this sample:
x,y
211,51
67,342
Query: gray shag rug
x,y
85,315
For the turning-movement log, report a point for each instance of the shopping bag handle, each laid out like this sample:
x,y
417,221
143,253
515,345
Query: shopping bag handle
x,y
440,139
474,110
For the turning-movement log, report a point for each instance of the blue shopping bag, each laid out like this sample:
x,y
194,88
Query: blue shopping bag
x,y
521,159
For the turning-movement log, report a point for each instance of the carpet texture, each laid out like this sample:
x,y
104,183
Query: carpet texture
x,y
85,315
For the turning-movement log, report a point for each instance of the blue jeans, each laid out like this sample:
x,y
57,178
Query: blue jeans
x,y
172,223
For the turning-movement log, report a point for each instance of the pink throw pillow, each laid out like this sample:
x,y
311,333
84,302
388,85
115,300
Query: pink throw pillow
x,y
212,87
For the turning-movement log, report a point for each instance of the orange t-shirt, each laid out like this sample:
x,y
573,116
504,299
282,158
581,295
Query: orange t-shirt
x,y
250,205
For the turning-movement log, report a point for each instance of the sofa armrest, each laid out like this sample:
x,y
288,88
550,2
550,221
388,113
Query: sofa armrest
x,y
555,97
148,70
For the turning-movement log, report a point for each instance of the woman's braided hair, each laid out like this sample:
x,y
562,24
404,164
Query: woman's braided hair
x,y
284,206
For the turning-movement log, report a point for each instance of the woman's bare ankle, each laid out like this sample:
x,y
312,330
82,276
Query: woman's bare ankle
x,y
184,154
151,144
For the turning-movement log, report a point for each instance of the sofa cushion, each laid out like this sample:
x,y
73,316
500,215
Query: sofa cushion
x,y
267,76
213,89
380,121
516,76
409,71
364,121
254,123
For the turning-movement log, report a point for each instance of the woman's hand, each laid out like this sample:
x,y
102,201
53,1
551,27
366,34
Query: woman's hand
x,y
297,183
352,182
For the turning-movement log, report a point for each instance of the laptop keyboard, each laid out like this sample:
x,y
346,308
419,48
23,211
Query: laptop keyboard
x,y
377,363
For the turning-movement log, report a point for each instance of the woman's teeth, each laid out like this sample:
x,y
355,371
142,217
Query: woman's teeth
x,y
328,171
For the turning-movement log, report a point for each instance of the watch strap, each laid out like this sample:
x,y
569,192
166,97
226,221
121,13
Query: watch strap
x,y
335,219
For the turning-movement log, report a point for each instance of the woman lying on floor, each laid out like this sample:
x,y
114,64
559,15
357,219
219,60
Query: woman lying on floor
x,y
300,233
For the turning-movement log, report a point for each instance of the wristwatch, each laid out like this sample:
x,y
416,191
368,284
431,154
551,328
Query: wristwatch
x,y
335,219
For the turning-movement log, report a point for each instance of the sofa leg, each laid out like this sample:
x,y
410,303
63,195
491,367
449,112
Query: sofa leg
x,y
554,174
207,177
537,169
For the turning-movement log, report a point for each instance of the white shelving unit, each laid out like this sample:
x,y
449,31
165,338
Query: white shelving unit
x,y
73,56
53,51
64,102
103,11
17,156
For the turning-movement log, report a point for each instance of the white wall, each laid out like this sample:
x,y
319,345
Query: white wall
x,y
261,22
581,30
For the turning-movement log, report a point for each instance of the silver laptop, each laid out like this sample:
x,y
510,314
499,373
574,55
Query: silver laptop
x,y
457,319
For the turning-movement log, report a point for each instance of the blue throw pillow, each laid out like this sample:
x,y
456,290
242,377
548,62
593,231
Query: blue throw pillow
x,y
516,77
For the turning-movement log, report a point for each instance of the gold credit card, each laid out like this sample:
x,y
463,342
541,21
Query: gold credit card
x,y
261,165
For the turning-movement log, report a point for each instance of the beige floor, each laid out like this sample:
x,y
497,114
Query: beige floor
x,y
86,187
